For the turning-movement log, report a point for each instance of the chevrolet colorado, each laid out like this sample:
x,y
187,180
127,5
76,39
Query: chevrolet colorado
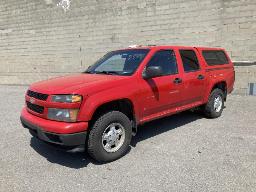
x,y
101,108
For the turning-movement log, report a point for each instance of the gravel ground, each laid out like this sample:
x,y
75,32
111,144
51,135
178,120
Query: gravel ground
x,y
185,152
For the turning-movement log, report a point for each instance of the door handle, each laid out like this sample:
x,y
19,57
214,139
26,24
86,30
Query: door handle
x,y
200,77
177,80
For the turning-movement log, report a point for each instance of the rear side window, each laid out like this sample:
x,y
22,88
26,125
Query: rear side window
x,y
215,57
166,60
189,60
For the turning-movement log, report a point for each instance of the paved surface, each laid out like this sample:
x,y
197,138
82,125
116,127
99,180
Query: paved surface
x,y
185,152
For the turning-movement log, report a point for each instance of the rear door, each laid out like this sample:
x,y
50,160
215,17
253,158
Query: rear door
x,y
193,79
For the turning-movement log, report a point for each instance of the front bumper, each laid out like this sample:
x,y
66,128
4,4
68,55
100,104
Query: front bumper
x,y
67,134
75,139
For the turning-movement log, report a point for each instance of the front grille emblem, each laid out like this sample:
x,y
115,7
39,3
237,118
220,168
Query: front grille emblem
x,y
32,100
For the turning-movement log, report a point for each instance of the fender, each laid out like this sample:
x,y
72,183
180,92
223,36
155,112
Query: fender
x,y
94,101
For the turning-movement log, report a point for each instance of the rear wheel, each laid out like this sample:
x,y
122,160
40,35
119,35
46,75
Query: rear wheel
x,y
215,105
110,137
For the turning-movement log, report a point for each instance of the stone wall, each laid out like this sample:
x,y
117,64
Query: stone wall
x,y
244,76
39,40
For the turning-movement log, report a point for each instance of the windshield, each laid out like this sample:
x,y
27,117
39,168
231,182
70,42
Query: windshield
x,y
122,62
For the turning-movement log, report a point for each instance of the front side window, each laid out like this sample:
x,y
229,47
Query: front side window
x,y
166,60
189,60
122,62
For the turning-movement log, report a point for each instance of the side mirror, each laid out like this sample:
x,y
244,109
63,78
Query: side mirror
x,y
152,71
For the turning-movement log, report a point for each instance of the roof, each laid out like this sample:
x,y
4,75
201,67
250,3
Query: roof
x,y
171,47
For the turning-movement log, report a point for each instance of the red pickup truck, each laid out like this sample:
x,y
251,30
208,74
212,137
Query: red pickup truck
x,y
101,108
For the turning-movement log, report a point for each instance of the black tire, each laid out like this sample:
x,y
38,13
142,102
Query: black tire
x,y
208,109
95,147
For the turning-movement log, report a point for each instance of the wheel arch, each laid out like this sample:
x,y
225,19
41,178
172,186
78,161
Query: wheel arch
x,y
123,105
220,85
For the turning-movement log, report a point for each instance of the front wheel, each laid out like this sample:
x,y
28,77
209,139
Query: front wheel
x,y
110,137
215,105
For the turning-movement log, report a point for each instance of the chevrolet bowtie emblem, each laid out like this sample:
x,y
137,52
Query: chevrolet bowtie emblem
x,y
32,100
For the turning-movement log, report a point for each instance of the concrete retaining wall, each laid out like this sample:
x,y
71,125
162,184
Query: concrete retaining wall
x,y
39,40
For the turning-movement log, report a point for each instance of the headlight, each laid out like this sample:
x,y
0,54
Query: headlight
x,y
67,98
68,115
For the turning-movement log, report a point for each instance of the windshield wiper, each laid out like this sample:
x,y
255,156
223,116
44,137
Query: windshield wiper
x,y
107,72
89,72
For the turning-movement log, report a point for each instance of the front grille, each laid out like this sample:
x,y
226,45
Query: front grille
x,y
36,95
35,108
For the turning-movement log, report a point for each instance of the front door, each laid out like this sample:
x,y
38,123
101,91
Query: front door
x,y
161,94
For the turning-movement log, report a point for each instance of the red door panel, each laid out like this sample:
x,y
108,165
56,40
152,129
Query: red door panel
x,y
160,94
194,87
194,79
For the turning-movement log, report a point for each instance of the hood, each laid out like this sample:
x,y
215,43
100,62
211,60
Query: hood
x,y
73,83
